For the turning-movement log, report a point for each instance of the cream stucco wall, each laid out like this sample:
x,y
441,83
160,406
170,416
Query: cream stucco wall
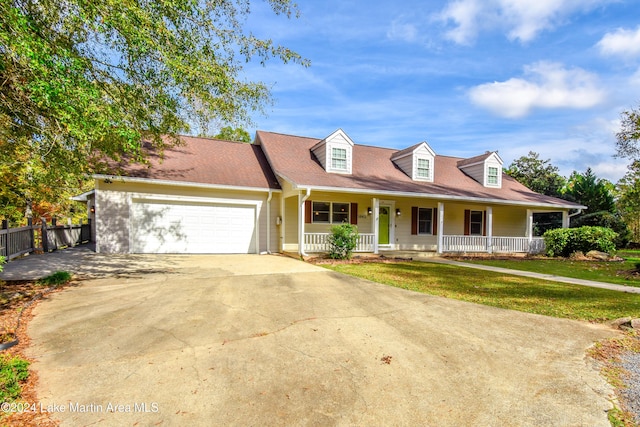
x,y
114,199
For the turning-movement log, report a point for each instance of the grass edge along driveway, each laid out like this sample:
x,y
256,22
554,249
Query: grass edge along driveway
x,y
499,290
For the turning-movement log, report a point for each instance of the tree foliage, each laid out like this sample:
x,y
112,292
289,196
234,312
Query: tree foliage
x,y
628,138
591,191
537,175
81,81
628,201
229,133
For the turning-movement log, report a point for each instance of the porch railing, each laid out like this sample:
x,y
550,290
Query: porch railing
x,y
42,237
498,244
319,242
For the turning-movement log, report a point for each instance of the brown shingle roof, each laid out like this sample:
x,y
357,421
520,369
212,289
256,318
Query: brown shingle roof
x,y
208,161
475,159
373,170
405,151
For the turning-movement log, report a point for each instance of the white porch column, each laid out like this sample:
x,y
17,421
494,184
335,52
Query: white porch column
x,y
489,229
529,230
440,226
282,219
565,219
301,212
376,224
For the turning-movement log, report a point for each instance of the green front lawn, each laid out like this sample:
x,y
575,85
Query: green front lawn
x,y
500,290
620,273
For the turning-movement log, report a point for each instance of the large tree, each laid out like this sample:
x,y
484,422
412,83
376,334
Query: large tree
x,y
628,201
536,174
229,133
589,190
628,138
81,81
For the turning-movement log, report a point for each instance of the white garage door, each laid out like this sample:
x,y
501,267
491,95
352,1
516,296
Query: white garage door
x,y
192,228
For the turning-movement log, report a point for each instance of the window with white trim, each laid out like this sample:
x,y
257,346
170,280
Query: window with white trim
x,y
475,223
425,221
330,212
422,169
492,175
339,158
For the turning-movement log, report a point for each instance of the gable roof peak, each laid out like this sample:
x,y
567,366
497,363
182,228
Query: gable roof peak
x,y
410,150
479,159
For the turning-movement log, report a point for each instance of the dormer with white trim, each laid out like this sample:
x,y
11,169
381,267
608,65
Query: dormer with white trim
x,y
335,152
417,161
486,169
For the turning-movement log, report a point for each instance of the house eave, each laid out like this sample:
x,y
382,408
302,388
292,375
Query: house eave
x,y
432,196
185,183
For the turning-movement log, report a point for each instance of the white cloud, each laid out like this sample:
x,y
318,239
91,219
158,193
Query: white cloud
x,y
402,31
621,42
522,20
545,85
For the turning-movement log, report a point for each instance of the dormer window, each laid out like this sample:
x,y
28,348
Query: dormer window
x,y
423,170
335,153
416,161
339,158
486,169
492,176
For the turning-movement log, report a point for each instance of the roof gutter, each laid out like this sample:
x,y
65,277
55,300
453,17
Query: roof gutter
x,y
433,196
111,178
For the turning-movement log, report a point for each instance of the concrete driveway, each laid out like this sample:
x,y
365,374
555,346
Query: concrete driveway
x,y
268,340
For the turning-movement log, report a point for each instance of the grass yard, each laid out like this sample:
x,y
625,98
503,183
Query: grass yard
x,y
500,290
620,273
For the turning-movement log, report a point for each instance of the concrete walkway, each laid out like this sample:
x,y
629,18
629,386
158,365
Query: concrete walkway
x,y
551,277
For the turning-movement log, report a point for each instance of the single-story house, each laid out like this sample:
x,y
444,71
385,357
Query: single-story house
x,y
282,193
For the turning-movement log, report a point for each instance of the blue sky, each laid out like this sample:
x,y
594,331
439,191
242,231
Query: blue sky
x,y
467,76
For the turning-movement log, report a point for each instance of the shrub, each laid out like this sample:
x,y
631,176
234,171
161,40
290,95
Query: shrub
x,y
565,241
13,370
1,262
342,241
57,278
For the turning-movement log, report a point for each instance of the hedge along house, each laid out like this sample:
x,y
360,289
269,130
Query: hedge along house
x,y
283,193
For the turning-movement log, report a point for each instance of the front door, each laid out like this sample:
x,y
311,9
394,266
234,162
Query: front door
x,y
383,227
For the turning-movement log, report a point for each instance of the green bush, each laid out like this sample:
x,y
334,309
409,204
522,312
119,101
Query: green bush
x,y
1,262
342,241
57,278
13,370
565,241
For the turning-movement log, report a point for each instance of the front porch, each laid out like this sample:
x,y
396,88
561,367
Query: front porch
x,y
319,242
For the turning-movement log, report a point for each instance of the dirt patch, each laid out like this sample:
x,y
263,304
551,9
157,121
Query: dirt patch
x,y
17,300
356,260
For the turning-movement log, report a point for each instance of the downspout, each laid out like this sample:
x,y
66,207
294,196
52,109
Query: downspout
x,y
269,221
569,216
301,220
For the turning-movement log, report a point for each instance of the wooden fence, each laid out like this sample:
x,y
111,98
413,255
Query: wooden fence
x,y
41,237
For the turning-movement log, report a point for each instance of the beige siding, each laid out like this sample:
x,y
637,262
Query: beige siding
x,y
403,237
291,223
406,165
509,221
476,172
113,202
111,219
321,154
364,220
